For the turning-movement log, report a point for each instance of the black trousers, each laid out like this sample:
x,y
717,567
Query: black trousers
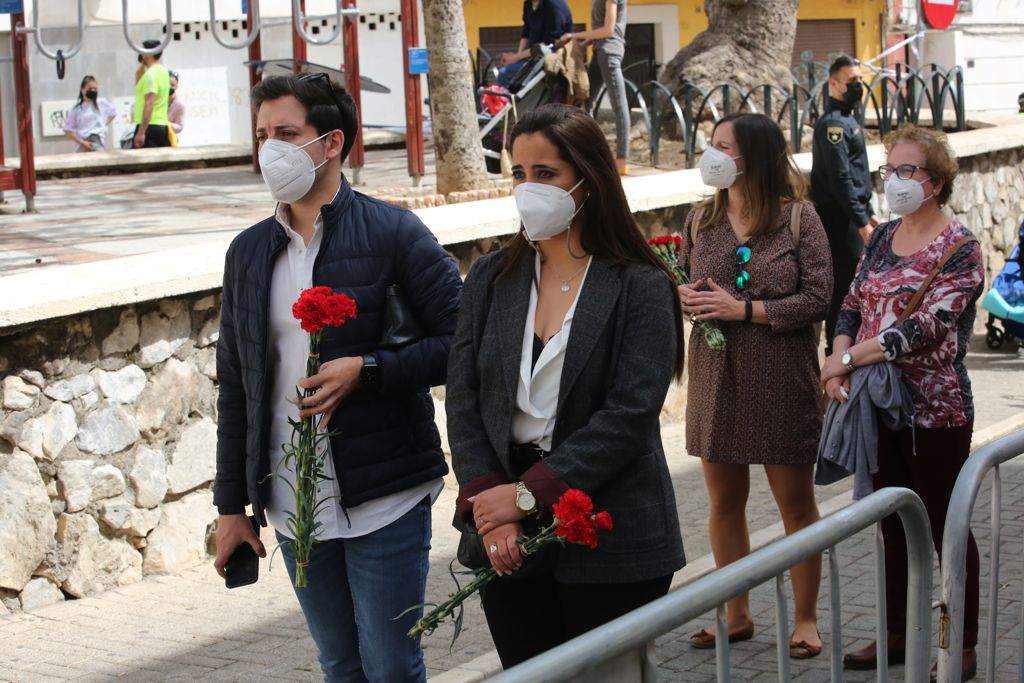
x,y
529,616
931,474
846,246
156,136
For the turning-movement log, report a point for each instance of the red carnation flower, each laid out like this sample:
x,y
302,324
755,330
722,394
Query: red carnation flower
x,y
578,533
574,506
320,307
603,520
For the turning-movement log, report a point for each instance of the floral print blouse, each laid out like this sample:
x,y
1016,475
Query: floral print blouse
x,y
929,346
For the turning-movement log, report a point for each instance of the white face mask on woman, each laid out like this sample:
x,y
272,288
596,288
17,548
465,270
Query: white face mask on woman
x,y
287,169
904,196
718,169
546,210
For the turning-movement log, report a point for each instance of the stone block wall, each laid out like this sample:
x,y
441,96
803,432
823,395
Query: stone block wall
x,y
988,197
107,448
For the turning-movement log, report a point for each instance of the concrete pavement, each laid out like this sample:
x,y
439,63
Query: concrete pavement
x,y
189,627
94,218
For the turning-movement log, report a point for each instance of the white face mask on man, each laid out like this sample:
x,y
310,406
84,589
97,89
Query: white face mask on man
x,y
287,169
905,196
718,169
546,210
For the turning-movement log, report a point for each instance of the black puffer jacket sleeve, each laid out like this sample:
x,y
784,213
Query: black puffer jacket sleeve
x,y
429,278
229,488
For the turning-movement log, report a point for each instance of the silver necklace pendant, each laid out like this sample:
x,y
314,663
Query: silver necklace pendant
x,y
565,286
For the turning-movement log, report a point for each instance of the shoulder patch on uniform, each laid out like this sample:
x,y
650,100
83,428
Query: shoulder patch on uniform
x,y
835,134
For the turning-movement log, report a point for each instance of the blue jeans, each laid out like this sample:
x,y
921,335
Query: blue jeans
x,y
507,73
356,588
615,88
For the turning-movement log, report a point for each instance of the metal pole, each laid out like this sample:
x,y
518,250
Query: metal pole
x,y
23,109
781,629
954,548
881,627
836,641
413,94
255,55
350,38
722,662
993,576
298,44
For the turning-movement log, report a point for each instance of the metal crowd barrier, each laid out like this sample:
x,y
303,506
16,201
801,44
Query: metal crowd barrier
x,y
954,559
598,655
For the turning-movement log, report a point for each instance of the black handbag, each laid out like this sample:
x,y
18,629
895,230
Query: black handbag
x,y
471,553
400,325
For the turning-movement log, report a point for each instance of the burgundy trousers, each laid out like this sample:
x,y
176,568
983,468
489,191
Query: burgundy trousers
x,y
931,474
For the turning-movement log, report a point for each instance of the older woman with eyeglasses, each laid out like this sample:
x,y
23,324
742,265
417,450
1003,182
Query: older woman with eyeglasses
x,y
928,347
759,260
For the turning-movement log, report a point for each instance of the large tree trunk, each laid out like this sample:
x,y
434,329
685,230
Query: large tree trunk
x,y
747,42
459,155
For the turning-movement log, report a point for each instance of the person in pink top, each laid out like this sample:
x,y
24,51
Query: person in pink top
x,y
175,107
928,348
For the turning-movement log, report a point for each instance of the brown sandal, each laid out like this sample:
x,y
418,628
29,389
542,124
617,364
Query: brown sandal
x,y
801,649
703,640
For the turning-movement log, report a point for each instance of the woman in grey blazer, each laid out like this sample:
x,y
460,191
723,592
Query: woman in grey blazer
x,y
567,341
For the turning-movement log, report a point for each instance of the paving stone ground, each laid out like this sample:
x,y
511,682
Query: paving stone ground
x,y
190,628
93,218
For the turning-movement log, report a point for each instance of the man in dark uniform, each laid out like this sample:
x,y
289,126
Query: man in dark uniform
x,y
841,181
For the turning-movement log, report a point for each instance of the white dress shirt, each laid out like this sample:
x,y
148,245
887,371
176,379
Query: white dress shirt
x,y
537,397
293,272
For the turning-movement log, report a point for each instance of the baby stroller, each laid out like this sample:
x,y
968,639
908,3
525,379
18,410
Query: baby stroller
x,y
1005,301
530,88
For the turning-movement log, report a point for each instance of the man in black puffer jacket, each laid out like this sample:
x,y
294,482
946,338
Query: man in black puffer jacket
x,y
385,464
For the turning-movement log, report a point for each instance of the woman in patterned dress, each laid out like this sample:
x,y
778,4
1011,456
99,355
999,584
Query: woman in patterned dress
x,y
767,282
928,347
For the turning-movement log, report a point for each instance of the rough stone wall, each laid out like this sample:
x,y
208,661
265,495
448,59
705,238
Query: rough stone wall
x,y
107,419
988,197
107,448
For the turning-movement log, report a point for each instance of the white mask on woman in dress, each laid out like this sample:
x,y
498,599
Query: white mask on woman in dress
x,y
718,169
287,169
904,196
546,210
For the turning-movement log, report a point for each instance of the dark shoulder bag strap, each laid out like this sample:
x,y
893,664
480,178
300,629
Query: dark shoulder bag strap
x,y
923,289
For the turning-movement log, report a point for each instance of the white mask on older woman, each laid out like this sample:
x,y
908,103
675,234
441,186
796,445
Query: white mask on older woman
x,y
905,196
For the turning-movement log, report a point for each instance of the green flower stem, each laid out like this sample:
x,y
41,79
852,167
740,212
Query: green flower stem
x,y
431,620
308,473
708,329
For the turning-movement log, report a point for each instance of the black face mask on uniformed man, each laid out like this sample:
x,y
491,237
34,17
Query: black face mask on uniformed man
x,y
854,93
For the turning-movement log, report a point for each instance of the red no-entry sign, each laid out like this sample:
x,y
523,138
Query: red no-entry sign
x,y
939,13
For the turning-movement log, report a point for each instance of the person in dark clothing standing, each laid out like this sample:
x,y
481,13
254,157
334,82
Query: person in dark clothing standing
x,y
385,465
544,21
841,181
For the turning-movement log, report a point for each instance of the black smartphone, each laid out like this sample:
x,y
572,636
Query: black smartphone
x,y
243,567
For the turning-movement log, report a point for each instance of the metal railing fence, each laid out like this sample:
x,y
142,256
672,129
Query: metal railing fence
x,y
894,97
591,653
954,559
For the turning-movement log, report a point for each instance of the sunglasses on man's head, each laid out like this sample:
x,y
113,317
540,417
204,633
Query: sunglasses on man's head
x,y
320,76
742,258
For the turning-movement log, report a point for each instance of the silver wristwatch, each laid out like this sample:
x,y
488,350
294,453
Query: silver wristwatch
x,y
525,501
847,360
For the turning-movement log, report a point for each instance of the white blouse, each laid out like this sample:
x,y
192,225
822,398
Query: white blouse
x,y
293,272
537,397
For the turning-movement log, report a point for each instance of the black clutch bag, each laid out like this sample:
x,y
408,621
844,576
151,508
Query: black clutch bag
x,y
400,325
